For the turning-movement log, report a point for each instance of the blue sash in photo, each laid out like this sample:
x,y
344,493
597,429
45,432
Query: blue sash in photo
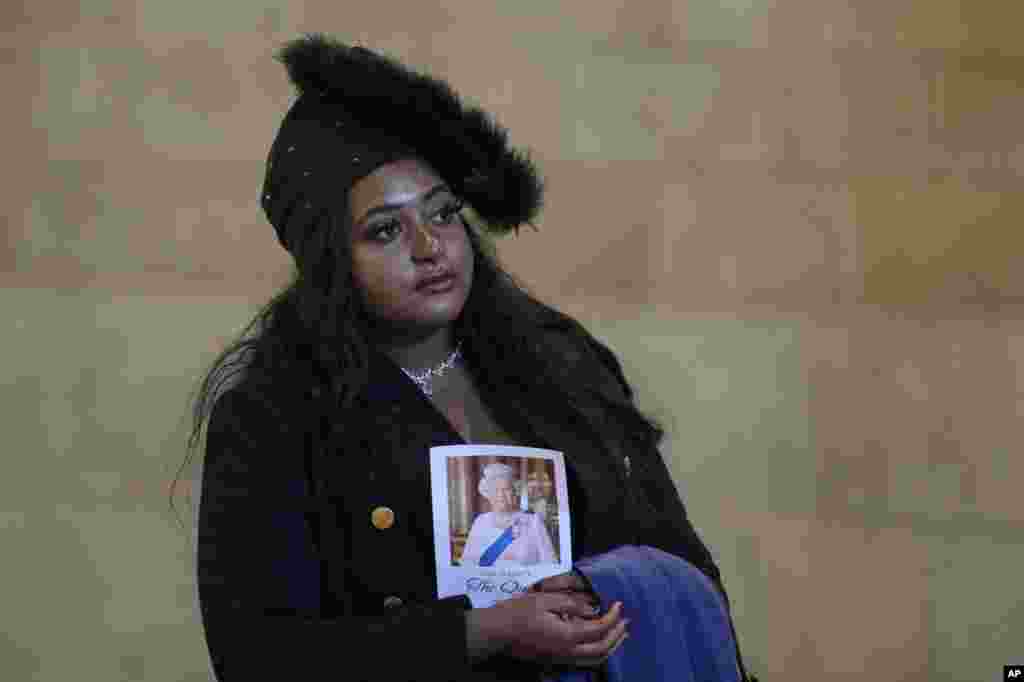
x,y
492,553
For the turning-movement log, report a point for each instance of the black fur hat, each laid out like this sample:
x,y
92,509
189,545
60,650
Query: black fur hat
x,y
358,110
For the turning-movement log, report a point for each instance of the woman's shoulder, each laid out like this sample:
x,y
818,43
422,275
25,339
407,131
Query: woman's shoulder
x,y
233,408
480,522
246,419
238,408
531,518
524,518
256,406
577,348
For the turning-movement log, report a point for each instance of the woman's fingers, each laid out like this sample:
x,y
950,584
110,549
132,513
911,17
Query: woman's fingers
x,y
595,662
593,654
572,603
561,583
597,629
577,605
556,626
605,645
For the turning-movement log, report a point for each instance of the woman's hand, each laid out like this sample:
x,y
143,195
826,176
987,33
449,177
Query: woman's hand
x,y
547,627
564,582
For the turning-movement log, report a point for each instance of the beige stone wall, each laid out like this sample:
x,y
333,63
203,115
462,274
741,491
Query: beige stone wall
x,y
796,222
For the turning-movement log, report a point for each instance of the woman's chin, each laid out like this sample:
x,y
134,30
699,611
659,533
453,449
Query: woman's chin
x,y
421,325
447,307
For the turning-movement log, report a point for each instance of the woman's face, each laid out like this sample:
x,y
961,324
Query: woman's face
x,y
406,229
503,498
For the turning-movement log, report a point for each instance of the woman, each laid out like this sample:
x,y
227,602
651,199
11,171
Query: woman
x,y
506,535
400,332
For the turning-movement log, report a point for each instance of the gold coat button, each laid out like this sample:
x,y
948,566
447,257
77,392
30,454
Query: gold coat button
x,y
382,518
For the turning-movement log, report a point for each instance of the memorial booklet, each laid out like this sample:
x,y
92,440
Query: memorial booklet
x,y
501,519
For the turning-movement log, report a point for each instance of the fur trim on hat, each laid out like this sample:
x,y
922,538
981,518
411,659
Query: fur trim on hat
x,y
465,145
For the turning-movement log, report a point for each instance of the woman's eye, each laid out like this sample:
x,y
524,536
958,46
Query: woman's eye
x,y
448,213
386,227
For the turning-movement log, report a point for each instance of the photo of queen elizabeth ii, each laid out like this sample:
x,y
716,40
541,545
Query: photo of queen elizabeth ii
x,y
511,524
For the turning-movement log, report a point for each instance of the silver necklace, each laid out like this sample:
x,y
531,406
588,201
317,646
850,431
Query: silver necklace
x,y
422,379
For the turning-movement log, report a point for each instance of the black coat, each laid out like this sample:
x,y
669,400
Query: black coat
x,y
296,584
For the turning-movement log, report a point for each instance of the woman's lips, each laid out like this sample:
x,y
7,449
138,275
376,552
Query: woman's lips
x,y
437,286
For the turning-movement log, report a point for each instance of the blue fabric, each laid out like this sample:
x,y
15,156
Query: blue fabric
x,y
679,627
492,553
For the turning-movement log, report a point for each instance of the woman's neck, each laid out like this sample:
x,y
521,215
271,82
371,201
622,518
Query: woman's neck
x,y
418,352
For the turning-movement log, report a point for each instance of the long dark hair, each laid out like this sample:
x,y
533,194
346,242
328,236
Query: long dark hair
x,y
308,346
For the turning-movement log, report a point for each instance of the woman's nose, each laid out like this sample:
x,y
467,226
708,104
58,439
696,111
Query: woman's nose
x,y
426,243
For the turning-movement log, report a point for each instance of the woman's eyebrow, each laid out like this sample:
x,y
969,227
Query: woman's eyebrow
x,y
388,208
